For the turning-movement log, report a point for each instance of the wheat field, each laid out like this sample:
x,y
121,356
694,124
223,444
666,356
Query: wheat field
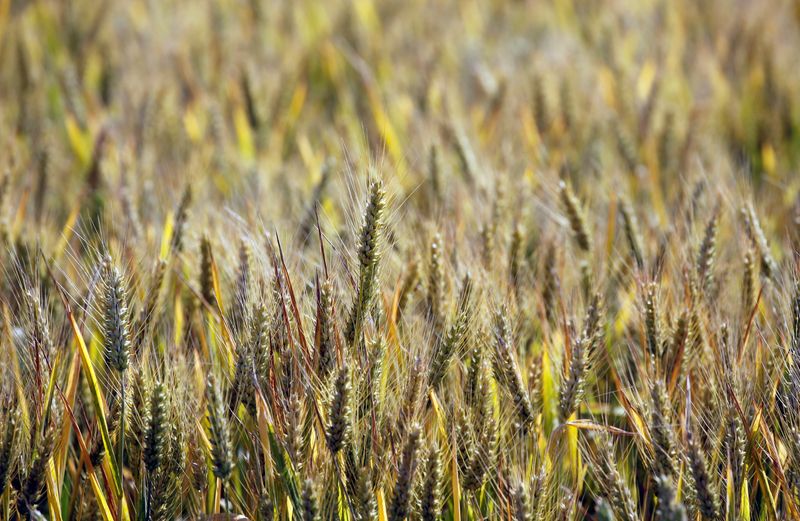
x,y
399,260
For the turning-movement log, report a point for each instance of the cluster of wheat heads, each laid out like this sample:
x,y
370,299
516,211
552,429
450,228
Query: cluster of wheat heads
x,y
389,260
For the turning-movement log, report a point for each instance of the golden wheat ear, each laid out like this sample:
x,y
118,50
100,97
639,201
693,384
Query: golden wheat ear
x,y
369,254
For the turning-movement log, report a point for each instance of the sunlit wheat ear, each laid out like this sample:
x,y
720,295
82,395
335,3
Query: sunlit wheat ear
x,y
400,506
181,219
613,486
769,268
446,348
632,233
749,282
566,507
241,289
662,431
734,445
259,339
520,503
508,373
583,349
369,399
430,492
219,432
535,379
162,497
176,440
365,497
536,493
651,320
116,341
436,284
576,216
369,258
163,454
293,436
706,254
243,385
40,339
486,436
116,346
339,428
475,369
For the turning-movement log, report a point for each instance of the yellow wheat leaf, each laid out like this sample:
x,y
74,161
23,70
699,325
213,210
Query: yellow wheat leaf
x,y
243,134
80,141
